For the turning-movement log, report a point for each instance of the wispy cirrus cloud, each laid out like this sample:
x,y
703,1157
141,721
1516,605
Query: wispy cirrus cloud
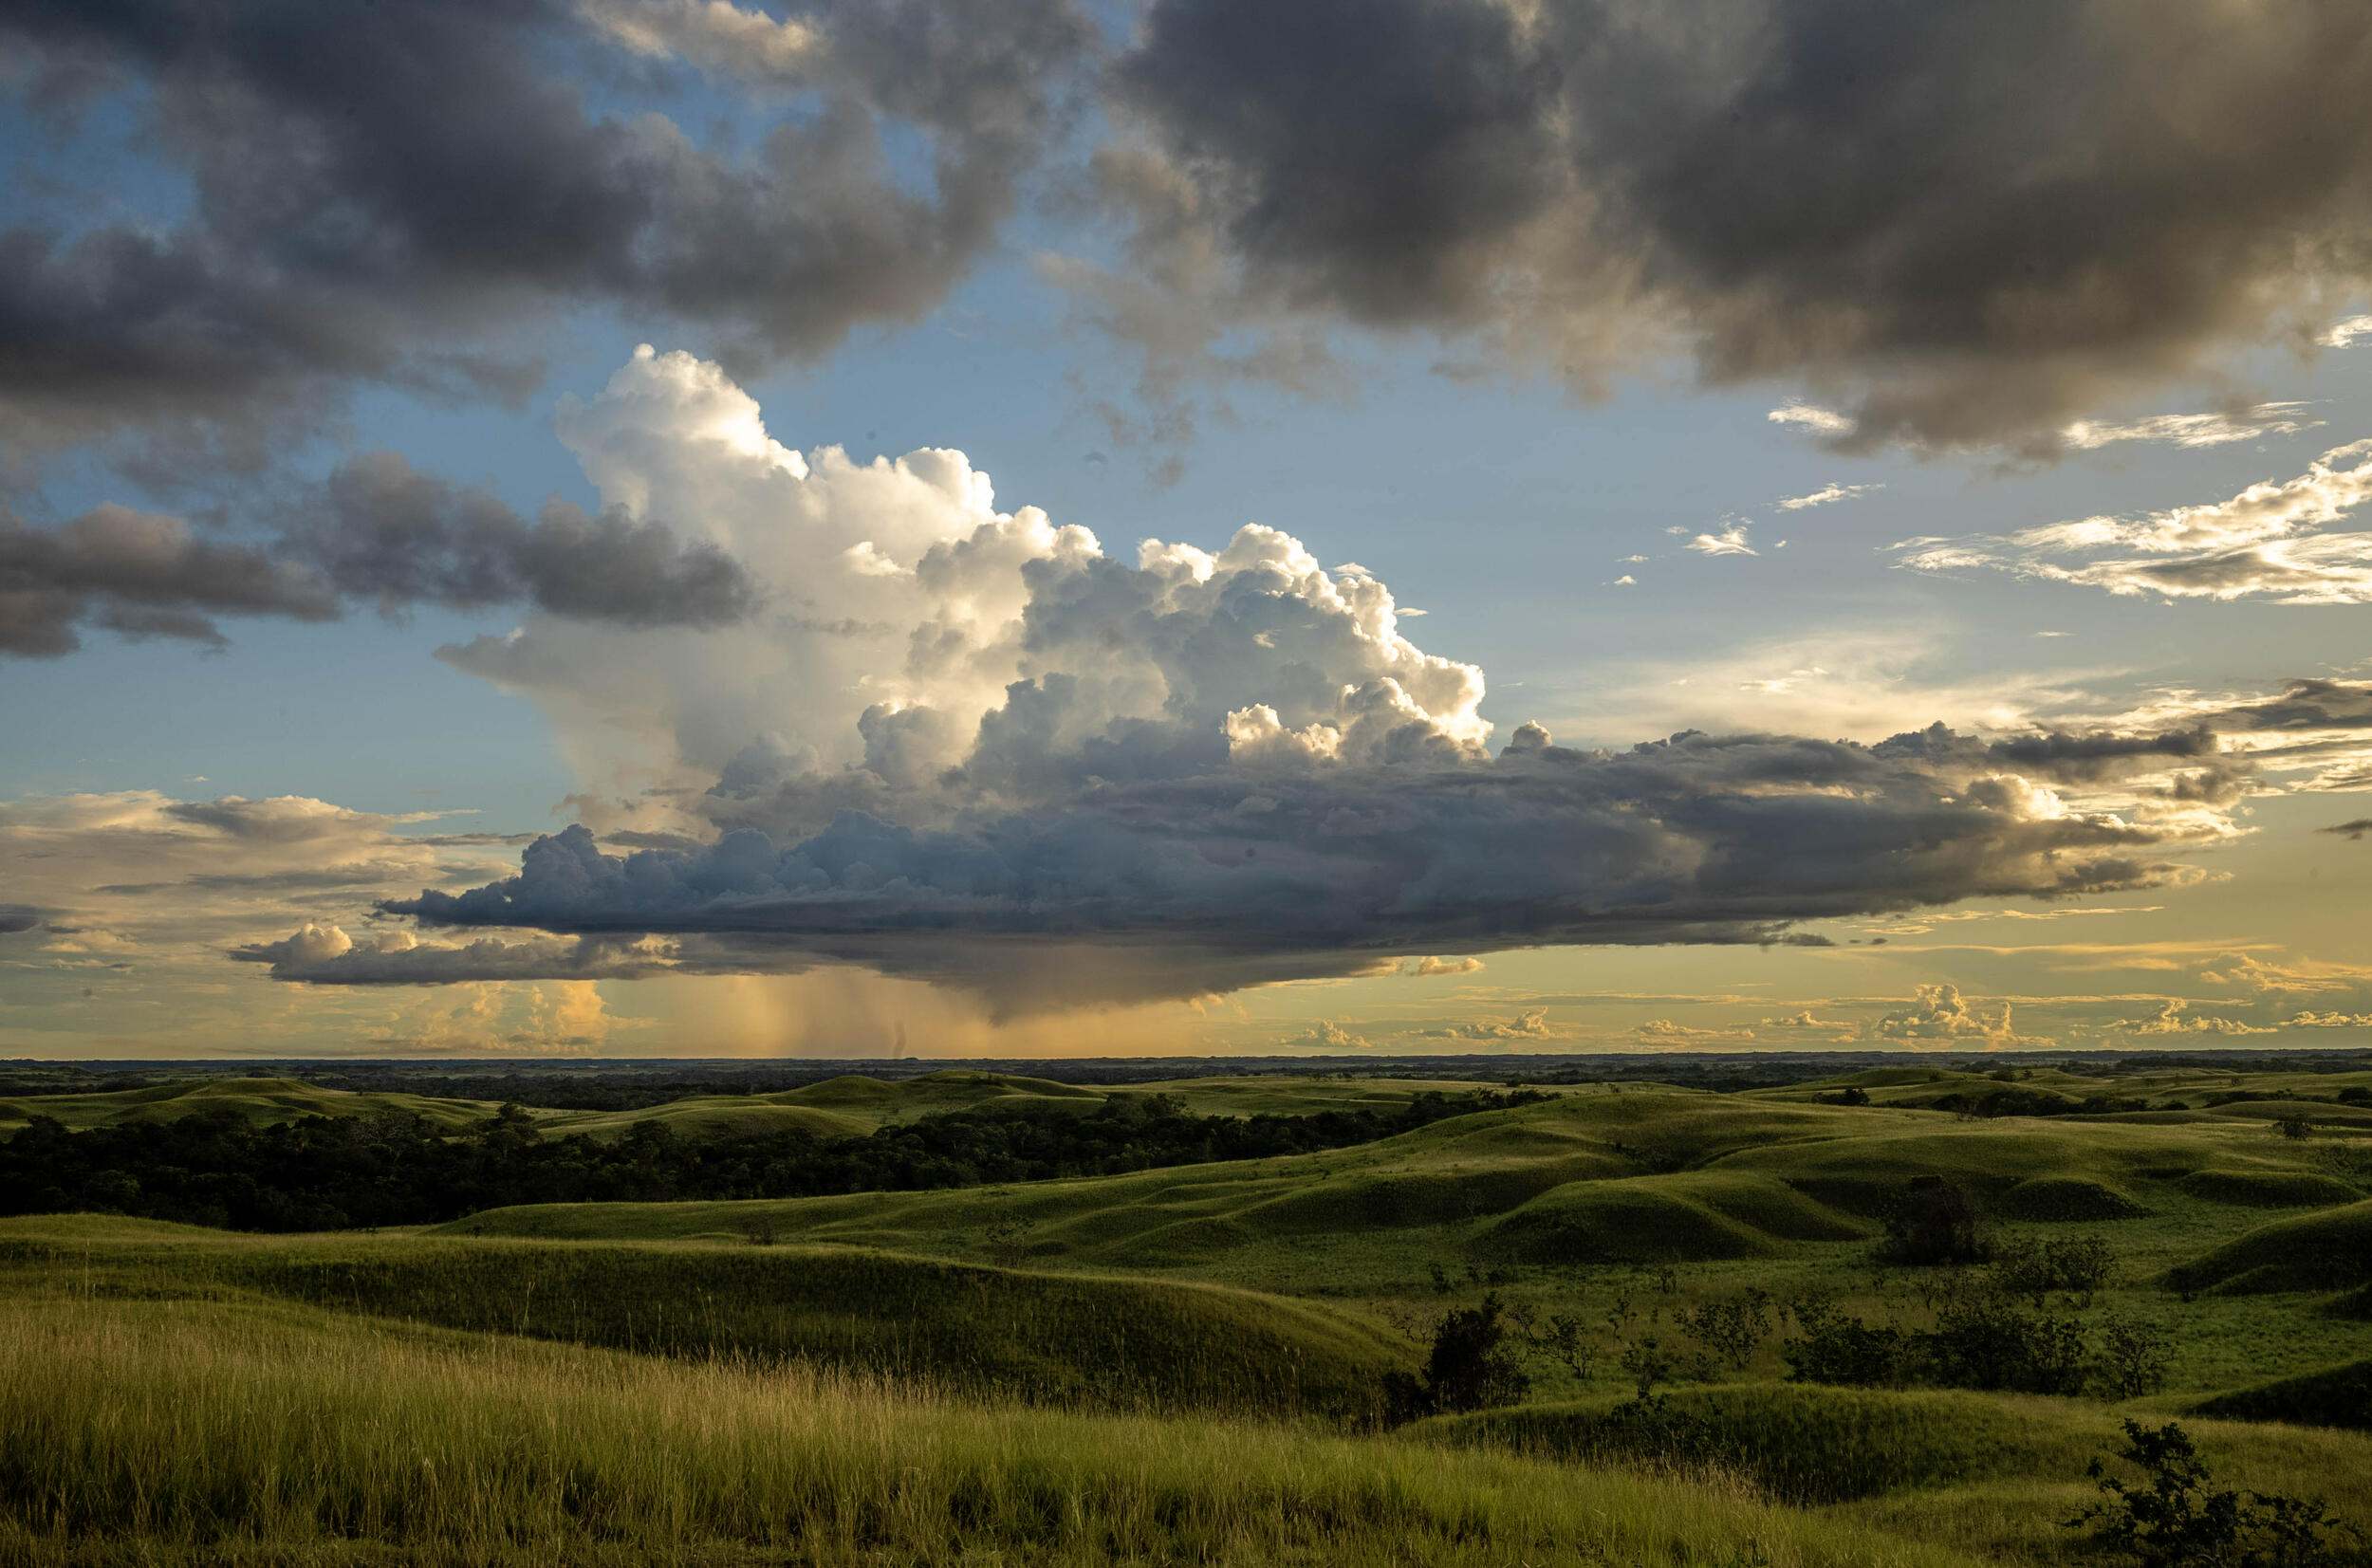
x,y
2262,542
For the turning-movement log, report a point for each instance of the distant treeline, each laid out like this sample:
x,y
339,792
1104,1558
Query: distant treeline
x,y
336,1173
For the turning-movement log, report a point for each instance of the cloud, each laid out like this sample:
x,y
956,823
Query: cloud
x,y
378,532
1664,1035
1828,495
1525,1025
401,195
2345,334
2330,1020
1729,541
2192,430
18,918
1859,204
1326,1034
997,754
326,955
2175,1017
1428,967
2262,542
2356,829
1805,1018
1820,421
1939,1016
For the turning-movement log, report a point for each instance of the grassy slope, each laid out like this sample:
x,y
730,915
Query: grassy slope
x,y
258,1100
2326,1250
1565,1204
841,1107
1815,1445
1623,1183
218,1433
1101,1340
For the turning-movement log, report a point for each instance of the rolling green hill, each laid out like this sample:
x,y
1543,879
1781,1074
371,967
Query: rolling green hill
x,y
257,1100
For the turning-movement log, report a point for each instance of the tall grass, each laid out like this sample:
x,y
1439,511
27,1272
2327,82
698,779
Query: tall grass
x,y
177,1432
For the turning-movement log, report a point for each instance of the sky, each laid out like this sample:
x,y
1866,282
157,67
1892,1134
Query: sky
x,y
1039,527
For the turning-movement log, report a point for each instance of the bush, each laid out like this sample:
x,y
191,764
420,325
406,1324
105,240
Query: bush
x,y
1935,1222
1730,1331
1470,1368
1983,1341
1833,1348
2172,1521
2079,1265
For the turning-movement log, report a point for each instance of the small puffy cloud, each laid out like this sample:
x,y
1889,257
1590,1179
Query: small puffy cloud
x,y
1820,421
1827,496
1326,1034
1940,1017
2330,1020
1662,1034
1625,580
2175,1017
1804,1018
1533,1024
1431,966
1729,541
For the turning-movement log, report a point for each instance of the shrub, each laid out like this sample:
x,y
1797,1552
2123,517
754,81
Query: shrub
x,y
2172,1521
1564,1341
1983,1341
1833,1348
1730,1331
1646,1362
2133,1359
2079,1265
1470,1368
1935,1222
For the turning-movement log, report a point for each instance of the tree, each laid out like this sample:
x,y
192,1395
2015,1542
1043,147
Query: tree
x,y
1470,1367
1935,1222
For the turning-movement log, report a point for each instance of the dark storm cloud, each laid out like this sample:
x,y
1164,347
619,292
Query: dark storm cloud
x,y
378,532
1235,875
141,573
1968,223
18,917
2357,829
381,189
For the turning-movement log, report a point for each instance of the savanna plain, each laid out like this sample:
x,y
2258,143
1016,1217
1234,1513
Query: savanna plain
x,y
1953,1311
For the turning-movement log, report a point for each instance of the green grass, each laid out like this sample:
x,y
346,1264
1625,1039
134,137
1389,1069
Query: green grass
x,y
2330,1396
2326,1250
1813,1444
2268,1189
1691,1216
1104,1340
847,1106
134,1431
1240,1313
257,1100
